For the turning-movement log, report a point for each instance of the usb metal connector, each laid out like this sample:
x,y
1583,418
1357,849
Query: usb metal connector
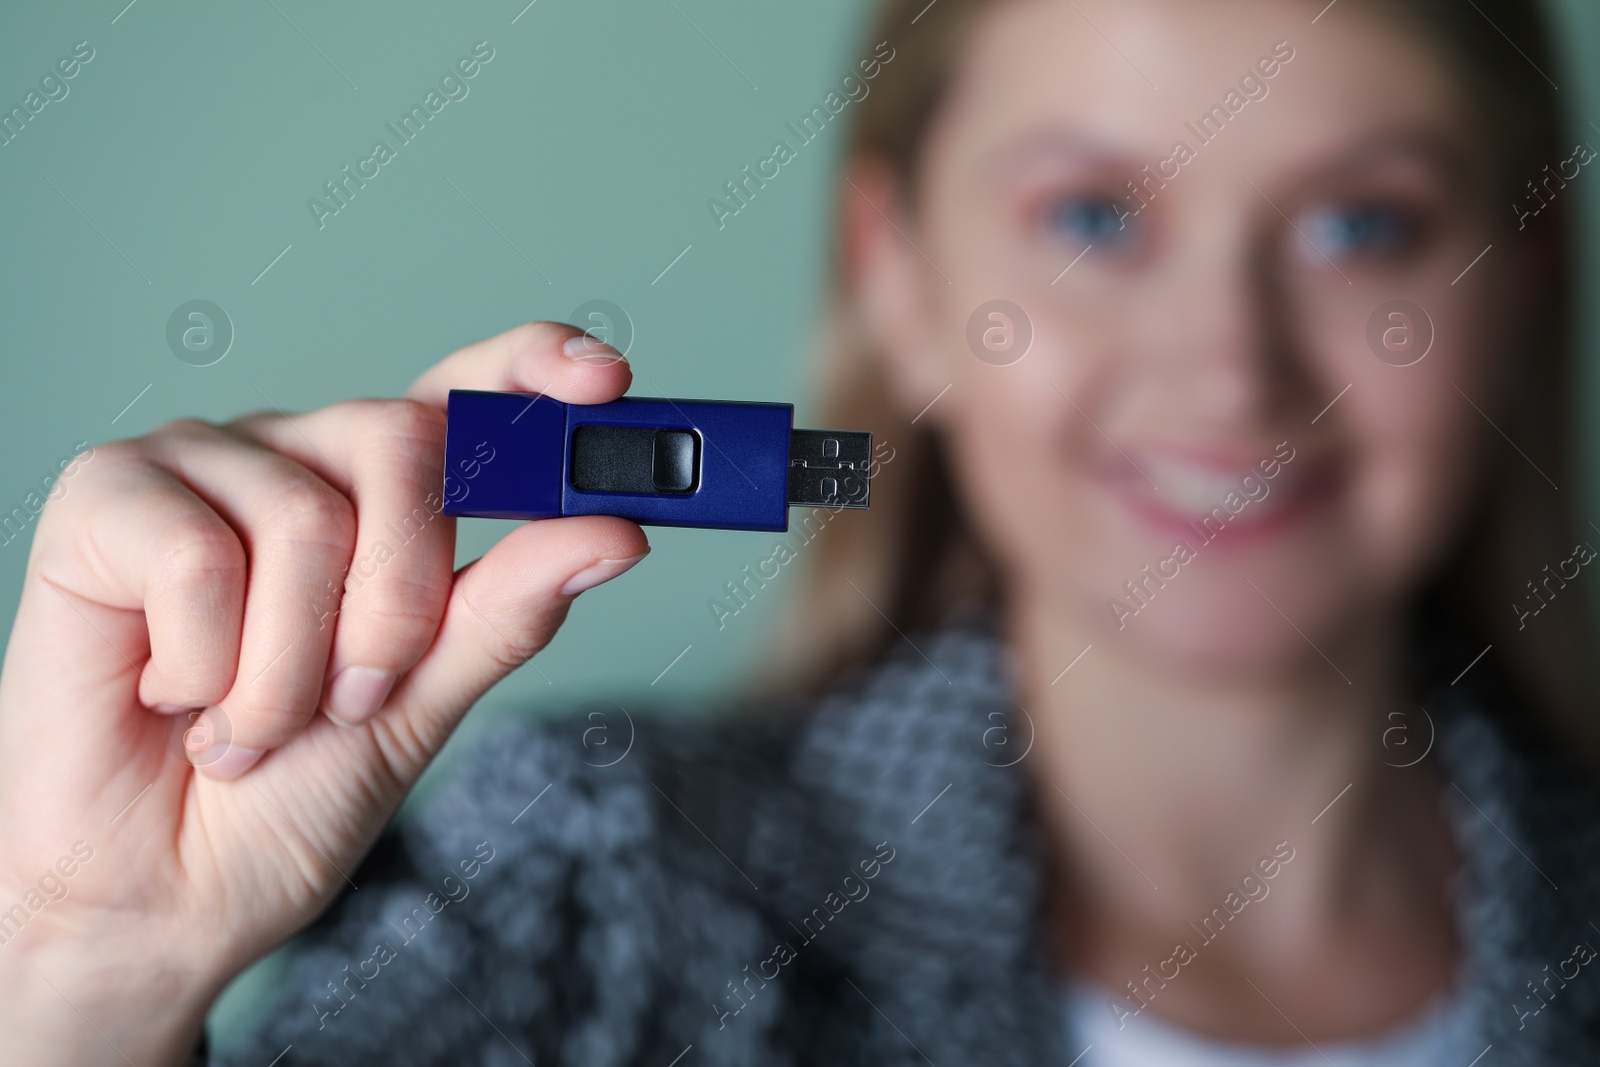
x,y
829,468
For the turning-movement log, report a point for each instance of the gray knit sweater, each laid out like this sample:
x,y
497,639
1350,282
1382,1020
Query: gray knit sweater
x,y
857,884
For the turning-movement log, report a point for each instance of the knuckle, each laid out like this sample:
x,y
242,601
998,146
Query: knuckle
x,y
410,423
80,471
113,454
509,643
307,512
271,716
508,652
403,607
182,429
201,550
110,461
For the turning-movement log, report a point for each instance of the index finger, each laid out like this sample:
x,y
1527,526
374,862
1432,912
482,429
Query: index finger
x,y
553,358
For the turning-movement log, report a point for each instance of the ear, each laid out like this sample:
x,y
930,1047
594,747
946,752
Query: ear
x,y
885,281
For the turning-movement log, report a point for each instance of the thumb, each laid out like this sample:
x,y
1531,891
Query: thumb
x,y
503,609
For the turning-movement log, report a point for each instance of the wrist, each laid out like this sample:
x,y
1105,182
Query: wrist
x,y
86,1001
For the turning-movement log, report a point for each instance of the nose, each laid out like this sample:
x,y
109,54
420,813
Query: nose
x,y
1220,347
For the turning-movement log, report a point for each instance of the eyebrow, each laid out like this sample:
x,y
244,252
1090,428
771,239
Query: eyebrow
x,y
1056,143
1449,161
1442,155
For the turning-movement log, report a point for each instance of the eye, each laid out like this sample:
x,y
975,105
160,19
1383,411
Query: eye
x,y
1355,231
1089,220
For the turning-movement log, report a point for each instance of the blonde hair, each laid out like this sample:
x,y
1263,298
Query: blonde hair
x,y
913,562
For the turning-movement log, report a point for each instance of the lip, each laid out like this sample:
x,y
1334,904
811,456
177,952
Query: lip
x,y
1303,487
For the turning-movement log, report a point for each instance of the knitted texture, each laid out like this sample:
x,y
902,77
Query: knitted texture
x,y
857,884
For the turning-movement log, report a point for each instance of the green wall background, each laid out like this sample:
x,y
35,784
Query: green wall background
x,y
590,144
180,162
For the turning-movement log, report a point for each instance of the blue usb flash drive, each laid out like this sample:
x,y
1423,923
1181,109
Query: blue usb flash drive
x,y
704,463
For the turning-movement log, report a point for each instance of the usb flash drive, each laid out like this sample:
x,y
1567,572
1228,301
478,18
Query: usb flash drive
x,y
704,463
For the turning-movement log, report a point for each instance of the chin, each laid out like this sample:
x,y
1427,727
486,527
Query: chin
x,y
1203,645
1221,624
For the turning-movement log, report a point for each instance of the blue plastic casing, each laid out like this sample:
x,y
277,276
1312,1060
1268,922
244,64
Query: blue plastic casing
x,y
507,456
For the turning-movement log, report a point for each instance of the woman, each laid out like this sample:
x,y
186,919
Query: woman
x,y
1166,708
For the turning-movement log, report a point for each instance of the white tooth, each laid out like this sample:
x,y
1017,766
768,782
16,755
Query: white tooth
x,y
1196,490
1195,494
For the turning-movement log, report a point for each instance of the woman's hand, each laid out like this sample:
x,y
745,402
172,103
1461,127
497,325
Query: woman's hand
x,y
237,648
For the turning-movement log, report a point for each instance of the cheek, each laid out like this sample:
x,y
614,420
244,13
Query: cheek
x,y
1016,448
1416,435
1004,458
1418,441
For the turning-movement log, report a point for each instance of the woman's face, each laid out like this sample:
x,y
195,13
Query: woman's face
x,y
1204,215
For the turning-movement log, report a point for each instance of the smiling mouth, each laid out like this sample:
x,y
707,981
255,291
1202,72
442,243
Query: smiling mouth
x,y
1185,494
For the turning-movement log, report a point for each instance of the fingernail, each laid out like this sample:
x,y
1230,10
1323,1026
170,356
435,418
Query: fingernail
x,y
357,693
169,709
603,571
230,763
583,346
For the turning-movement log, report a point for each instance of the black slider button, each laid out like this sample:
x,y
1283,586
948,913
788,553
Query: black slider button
x,y
634,459
674,461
